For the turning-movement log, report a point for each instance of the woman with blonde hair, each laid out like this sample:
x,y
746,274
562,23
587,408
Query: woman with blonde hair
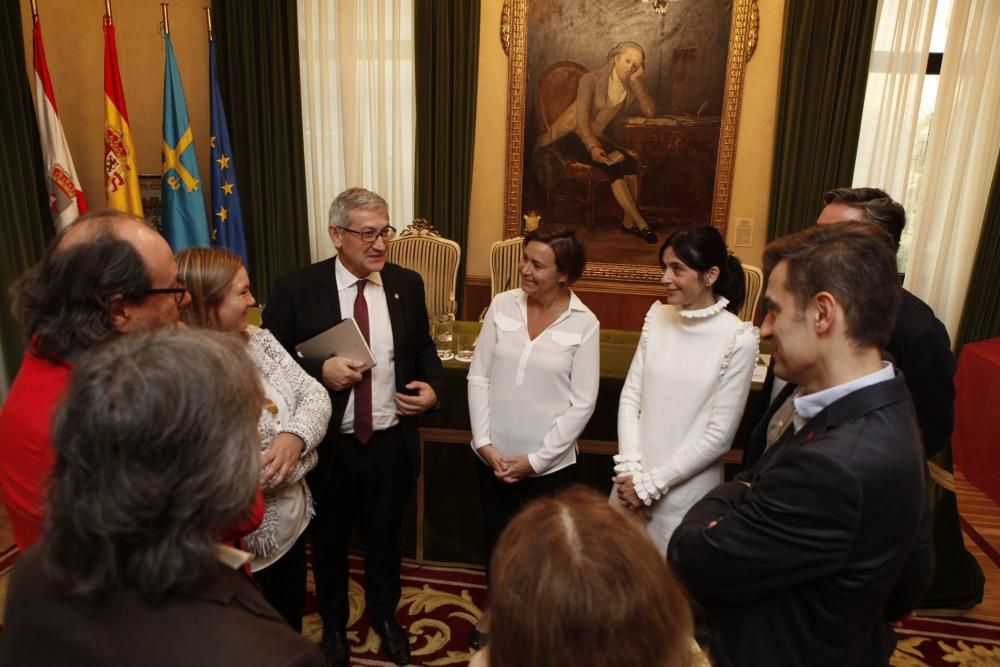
x,y
577,582
291,425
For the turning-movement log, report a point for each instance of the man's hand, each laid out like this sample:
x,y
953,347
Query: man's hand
x,y
626,492
597,154
516,469
418,404
279,459
493,458
341,372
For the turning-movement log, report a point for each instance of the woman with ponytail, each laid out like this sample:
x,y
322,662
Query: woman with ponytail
x,y
687,386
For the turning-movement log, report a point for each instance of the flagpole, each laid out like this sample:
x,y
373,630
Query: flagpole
x,y
208,15
107,8
34,12
166,18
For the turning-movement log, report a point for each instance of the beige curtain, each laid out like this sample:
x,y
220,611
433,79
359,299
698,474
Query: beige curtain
x,y
358,106
961,154
889,123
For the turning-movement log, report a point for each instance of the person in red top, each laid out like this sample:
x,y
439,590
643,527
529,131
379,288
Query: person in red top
x,y
108,273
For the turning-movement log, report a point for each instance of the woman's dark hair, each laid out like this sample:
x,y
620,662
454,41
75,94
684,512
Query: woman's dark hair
x,y
156,454
571,258
576,582
703,247
64,301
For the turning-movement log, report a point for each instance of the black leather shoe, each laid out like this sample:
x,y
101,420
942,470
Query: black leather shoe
x,y
334,648
395,641
648,234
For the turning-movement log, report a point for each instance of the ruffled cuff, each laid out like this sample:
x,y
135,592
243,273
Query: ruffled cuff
x,y
626,464
646,488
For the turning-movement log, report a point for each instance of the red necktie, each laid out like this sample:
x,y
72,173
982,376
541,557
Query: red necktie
x,y
363,389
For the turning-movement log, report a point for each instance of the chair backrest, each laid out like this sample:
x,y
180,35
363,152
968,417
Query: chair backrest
x,y
420,248
754,281
505,257
556,91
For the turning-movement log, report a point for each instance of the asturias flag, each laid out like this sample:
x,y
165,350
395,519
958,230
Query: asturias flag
x,y
65,195
184,222
121,178
227,217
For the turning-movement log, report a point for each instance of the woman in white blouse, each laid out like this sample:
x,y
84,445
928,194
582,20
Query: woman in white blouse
x,y
533,380
687,386
291,425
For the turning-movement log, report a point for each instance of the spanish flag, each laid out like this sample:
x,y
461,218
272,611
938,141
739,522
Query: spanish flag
x,y
121,178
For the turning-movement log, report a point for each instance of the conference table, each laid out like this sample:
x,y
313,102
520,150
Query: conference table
x,y
446,508
976,441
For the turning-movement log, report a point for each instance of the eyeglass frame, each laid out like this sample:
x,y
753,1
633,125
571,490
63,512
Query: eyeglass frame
x,y
387,233
178,292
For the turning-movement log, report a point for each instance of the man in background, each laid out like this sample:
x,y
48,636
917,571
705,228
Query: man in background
x,y
807,556
109,273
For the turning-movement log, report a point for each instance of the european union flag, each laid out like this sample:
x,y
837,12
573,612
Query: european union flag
x,y
227,217
184,222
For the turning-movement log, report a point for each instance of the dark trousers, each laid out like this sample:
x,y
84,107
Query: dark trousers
x,y
374,482
283,583
501,500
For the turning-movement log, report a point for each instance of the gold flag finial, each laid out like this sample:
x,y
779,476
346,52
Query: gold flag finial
x,y
107,8
208,15
34,10
166,18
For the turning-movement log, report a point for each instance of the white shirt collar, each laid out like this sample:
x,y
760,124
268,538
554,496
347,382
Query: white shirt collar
x,y
808,406
574,304
231,557
346,279
708,311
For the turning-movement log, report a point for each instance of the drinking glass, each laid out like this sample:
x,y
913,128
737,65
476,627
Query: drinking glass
x,y
466,347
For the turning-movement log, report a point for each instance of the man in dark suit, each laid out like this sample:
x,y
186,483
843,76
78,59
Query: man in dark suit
x,y
921,350
804,558
370,456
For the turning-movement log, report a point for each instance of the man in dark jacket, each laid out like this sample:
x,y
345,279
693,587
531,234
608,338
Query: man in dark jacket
x,y
804,558
370,457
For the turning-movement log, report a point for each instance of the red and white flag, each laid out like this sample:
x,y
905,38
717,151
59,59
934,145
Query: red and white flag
x,y
65,195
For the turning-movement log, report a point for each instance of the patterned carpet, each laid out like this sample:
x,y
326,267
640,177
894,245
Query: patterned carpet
x,y
441,603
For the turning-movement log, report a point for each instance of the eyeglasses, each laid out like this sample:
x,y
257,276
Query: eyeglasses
x,y
387,233
178,292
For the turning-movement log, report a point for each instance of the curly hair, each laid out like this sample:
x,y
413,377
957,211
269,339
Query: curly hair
x,y
64,301
156,452
576,582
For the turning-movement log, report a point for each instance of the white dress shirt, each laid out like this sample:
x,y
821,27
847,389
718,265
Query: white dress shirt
x,y
534,397
808,406
380,341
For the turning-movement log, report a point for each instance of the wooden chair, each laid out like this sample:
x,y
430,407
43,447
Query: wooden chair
x,y
505,258
754,281
420,248
579,181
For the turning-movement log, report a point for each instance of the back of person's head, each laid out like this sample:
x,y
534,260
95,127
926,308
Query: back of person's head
x,y
855,263
571,257
576,582
876,206
206,273
156,454
703,247
65,301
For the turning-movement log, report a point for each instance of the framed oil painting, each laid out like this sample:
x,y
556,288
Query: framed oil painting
x,y
622,119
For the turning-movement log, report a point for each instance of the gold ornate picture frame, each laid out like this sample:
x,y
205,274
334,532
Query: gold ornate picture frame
x,y
694,59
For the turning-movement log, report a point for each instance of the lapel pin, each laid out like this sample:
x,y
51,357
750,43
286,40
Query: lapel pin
x,y
396,295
